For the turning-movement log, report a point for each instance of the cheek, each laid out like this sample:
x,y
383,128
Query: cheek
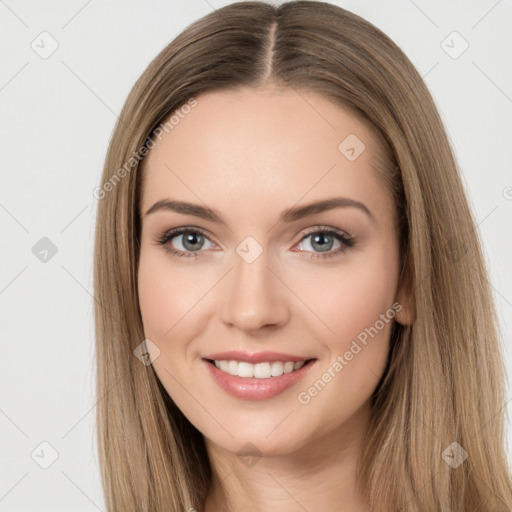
x,y
155,303
349,298
166,297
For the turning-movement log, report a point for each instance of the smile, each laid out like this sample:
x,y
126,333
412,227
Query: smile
x,y
263,370
256,381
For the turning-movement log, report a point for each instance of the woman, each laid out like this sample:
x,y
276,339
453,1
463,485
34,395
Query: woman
x,y
292,310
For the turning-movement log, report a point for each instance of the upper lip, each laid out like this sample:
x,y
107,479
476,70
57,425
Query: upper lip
x,y
258,357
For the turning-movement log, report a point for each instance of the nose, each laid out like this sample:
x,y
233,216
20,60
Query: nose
x,y
254,296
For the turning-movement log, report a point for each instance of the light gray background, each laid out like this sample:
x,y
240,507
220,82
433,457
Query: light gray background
x,y
57,117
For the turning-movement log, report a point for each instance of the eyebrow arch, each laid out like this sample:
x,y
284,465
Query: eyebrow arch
x,y
290,215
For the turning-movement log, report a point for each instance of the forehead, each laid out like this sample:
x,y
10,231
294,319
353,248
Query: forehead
x,y
253,147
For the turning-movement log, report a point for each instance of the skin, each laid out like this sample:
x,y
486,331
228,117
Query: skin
x,y
249,155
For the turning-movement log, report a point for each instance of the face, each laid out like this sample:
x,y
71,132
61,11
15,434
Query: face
x,y
317,285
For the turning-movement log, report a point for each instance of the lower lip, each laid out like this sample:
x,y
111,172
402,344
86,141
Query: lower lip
x,y
251,388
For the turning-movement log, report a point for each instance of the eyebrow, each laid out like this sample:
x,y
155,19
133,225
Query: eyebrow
x,y
290,215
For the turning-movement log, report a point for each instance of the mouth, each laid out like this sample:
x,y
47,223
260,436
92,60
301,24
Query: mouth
x,y
257,381
263,370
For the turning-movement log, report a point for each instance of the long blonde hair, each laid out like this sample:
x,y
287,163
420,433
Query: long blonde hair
x,y
444,382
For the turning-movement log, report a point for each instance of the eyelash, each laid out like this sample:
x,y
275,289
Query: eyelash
x,y
342,237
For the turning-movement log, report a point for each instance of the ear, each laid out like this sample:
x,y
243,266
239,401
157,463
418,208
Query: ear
x,y
405,314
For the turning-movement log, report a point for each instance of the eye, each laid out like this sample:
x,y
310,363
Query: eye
x,y
192,241
323,239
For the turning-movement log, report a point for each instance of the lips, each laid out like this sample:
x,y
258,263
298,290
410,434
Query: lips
x,y
259,357
252,388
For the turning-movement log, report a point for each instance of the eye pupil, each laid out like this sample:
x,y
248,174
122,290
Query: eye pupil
x,y
192,238
324,246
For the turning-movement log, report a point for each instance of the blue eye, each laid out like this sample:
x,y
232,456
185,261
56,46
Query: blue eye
x,y
193,240
324,238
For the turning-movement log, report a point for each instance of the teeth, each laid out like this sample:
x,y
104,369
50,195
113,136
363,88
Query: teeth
x,y
232,366
260,370
244,369
276,369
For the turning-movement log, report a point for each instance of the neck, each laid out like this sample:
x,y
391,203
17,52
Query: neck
x,y
319,475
